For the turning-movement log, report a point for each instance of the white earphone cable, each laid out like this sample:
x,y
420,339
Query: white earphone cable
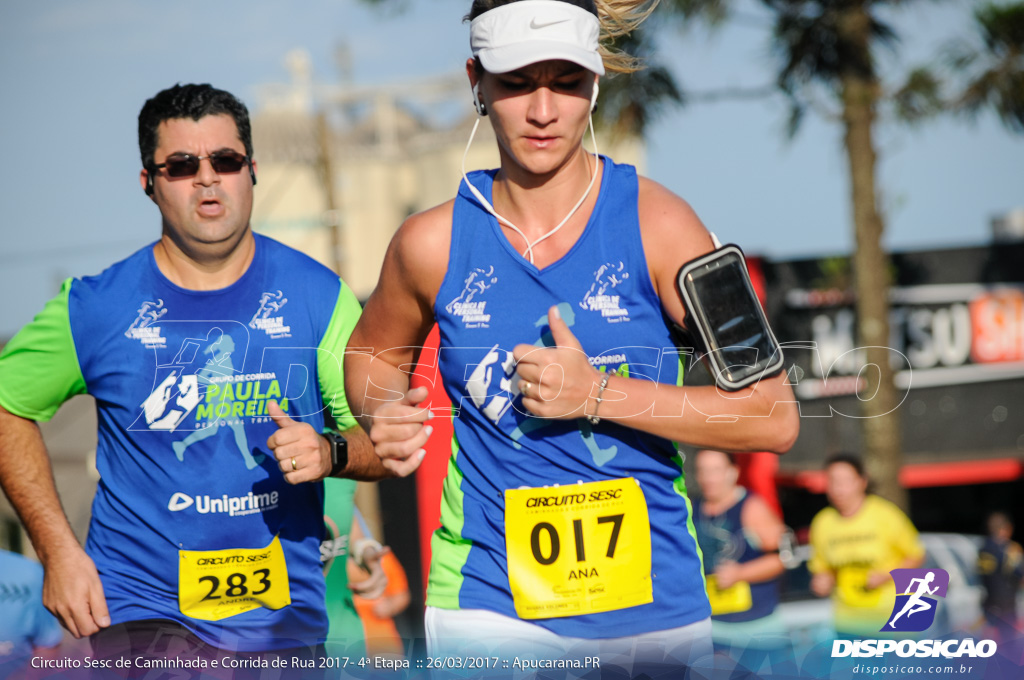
x,y
528,253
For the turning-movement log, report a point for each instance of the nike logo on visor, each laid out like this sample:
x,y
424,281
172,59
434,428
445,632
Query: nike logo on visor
x,y
535,25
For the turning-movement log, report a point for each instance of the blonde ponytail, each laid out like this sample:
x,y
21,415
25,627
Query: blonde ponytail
x,y
619,18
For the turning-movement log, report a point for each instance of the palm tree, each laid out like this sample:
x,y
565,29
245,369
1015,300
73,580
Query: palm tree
x,y
995,68
831,42
830,46
827,48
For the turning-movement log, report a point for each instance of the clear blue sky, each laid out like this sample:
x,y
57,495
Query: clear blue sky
x,y
73,76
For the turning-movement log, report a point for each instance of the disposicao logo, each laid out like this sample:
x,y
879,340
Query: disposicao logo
x,y
913,612
916,590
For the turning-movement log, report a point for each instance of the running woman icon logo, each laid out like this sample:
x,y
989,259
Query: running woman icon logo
x,y
916,590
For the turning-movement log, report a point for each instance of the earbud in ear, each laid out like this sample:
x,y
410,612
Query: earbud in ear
x,y
252,173
593,98
149,183
479,105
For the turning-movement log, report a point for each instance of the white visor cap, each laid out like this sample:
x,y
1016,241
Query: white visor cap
x,y
522,33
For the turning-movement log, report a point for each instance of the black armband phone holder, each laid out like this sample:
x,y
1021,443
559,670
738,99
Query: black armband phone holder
x,y
725,319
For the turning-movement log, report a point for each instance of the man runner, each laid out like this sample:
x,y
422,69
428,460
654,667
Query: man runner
x,y
212,354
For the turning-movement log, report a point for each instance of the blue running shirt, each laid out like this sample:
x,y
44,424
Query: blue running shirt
x,y
181,380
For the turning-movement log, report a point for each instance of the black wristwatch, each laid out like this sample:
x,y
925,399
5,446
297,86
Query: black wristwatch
x,y
339,452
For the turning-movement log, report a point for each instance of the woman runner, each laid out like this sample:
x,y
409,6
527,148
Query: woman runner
x,y
566,529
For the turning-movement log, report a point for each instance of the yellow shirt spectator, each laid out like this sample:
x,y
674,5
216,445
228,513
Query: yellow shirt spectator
x,y
856,550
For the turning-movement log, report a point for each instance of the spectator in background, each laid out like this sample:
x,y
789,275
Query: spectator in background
x,y
346,550
1001,567
378,612
855,543
739,535
26,628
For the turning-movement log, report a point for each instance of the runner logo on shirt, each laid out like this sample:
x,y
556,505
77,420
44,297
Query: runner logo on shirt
x,y
143,330
200,390
181,383
173,399
267,318
600,298
491,385
914,611
473,311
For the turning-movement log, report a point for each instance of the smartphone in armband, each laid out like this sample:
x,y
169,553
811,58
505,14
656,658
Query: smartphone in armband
x,y
724,315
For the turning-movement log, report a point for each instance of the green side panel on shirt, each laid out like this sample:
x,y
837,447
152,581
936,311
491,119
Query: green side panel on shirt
x,y
346,635
680,486
449,550
39,367
680,482
331,357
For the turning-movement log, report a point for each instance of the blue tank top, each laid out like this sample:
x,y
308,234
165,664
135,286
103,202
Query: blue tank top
x,y
493,299
722,538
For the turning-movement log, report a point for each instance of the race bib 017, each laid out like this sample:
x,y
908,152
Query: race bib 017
x,y
578,549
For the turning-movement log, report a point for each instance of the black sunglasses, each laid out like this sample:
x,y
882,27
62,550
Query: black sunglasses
x,y
187,165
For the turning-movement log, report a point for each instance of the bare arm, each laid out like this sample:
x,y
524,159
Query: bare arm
x,y
758,418
304,455
366,577
391,331
823,582
762,417
363,463
71,587
392,605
